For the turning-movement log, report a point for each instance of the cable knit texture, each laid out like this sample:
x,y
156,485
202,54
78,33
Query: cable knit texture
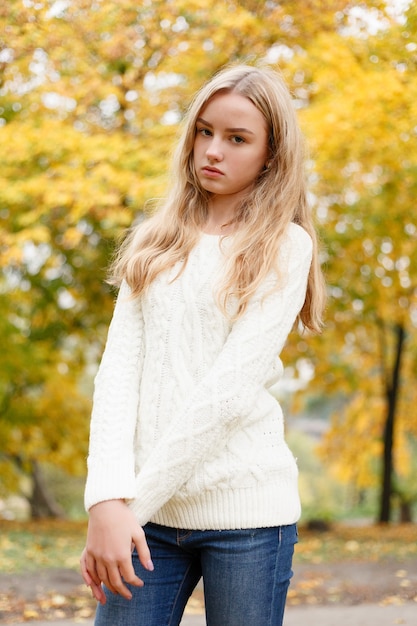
x,y
184,426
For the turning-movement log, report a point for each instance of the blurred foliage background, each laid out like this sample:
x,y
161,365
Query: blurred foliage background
x,y
92,93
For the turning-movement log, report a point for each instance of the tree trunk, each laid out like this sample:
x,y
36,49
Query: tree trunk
x,y
42,504
392,392
406,516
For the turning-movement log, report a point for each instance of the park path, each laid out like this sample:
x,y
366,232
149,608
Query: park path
x,y
361,615
339,594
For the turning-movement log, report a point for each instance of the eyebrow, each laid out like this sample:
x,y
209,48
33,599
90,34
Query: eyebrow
x,y
229,130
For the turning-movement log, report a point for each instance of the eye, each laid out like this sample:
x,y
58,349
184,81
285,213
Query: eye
x,y
237,139
204,132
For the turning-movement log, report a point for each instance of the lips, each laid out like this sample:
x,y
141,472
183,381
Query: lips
x,y
211,171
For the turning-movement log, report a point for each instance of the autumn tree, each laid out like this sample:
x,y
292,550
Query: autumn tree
x,y
91,96
361,121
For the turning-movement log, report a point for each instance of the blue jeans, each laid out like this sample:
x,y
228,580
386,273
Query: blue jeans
x,y
246,574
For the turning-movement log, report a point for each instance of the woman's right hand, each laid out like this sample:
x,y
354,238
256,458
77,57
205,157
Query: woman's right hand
x,y
107,556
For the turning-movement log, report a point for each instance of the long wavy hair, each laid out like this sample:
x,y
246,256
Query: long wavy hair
x,y
278,197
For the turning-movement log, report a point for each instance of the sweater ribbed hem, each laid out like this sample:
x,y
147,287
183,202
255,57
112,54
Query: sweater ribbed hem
x,y
258,507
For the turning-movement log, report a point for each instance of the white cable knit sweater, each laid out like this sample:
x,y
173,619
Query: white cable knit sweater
x,y
183,425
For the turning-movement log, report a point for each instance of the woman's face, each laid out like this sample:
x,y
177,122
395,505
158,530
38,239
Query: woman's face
x,y
230,146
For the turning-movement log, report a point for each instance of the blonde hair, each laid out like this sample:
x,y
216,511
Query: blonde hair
x,y
278,198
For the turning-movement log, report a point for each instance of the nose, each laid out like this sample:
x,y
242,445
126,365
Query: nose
x,y
214,150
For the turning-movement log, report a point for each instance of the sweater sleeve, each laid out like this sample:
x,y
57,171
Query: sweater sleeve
x,y
229,391
111,463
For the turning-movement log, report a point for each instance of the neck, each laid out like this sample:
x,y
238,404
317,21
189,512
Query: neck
x,y
220,219
219,227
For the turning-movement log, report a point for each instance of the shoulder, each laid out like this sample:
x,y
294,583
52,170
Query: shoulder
x,y
298,237
296,245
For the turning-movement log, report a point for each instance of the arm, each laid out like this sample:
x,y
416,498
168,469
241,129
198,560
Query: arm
x,y
229,391
111,464
112,527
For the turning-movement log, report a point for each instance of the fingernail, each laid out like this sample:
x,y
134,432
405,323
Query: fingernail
x,y
150,566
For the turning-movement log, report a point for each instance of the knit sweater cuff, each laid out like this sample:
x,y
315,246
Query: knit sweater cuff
x,y
109,481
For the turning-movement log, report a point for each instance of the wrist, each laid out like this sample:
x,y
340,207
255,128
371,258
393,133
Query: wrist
x,y
107,504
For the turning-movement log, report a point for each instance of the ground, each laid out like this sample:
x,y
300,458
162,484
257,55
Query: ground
x,y
350,582
59,593
341,565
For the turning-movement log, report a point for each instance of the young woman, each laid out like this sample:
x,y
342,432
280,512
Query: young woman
x,y
189,475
